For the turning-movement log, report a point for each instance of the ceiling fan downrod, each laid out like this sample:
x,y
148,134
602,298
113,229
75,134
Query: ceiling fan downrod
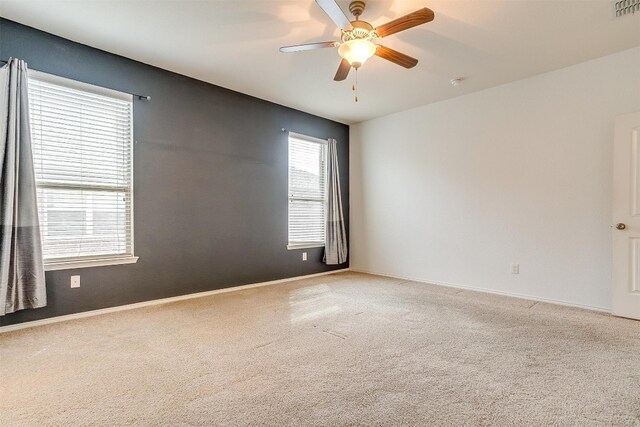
x,y
356,8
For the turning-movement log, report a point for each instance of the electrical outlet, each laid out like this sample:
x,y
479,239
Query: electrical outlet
x,y
75,281
515,268
304,256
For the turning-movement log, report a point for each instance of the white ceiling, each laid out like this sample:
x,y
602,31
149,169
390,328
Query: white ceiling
x,y
235,44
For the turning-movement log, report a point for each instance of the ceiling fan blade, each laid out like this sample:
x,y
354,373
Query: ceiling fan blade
x,y
308,46
405,22
343,71
396,57
334,12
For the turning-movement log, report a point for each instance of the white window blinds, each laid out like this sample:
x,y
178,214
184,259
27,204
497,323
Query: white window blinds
x,y
82,149
307,191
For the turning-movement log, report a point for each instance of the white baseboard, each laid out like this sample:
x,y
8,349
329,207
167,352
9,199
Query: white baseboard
x,y
91,313
490,291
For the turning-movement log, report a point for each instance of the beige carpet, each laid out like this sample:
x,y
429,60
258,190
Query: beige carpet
x,y
341,350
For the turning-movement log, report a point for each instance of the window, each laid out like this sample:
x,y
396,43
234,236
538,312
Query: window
x,y
82,151
307,191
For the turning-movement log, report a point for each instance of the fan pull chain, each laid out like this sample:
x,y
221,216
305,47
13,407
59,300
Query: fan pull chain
x,y
354,87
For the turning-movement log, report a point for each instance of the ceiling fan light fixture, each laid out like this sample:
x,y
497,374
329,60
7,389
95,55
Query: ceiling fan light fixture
x,y
357,51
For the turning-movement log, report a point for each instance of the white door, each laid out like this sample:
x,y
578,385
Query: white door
x,y
626,217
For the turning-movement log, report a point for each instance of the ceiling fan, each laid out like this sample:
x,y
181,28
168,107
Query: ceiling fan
x,y
357,41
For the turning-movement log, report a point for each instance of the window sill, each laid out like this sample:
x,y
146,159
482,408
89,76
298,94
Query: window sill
x,y
100,262
295,246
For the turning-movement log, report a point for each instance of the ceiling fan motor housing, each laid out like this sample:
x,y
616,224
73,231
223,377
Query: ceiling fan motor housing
x,y
360,30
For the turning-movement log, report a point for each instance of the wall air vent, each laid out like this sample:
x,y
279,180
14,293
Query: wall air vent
x,y
626,7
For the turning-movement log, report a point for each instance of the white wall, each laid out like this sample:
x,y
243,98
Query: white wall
x,y
457,191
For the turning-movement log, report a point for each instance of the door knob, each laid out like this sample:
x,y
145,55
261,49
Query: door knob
x,y
620,226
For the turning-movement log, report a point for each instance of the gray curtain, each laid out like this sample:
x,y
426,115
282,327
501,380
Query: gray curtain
x,y
21,265
335,250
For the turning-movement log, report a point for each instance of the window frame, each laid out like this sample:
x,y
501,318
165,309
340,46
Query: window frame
x,y
65,263
324,144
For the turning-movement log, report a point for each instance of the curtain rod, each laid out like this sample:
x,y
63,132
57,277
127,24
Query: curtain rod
x,y
145,97
292,131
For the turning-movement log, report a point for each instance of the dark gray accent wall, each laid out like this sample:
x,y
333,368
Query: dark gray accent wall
x,y
210,181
